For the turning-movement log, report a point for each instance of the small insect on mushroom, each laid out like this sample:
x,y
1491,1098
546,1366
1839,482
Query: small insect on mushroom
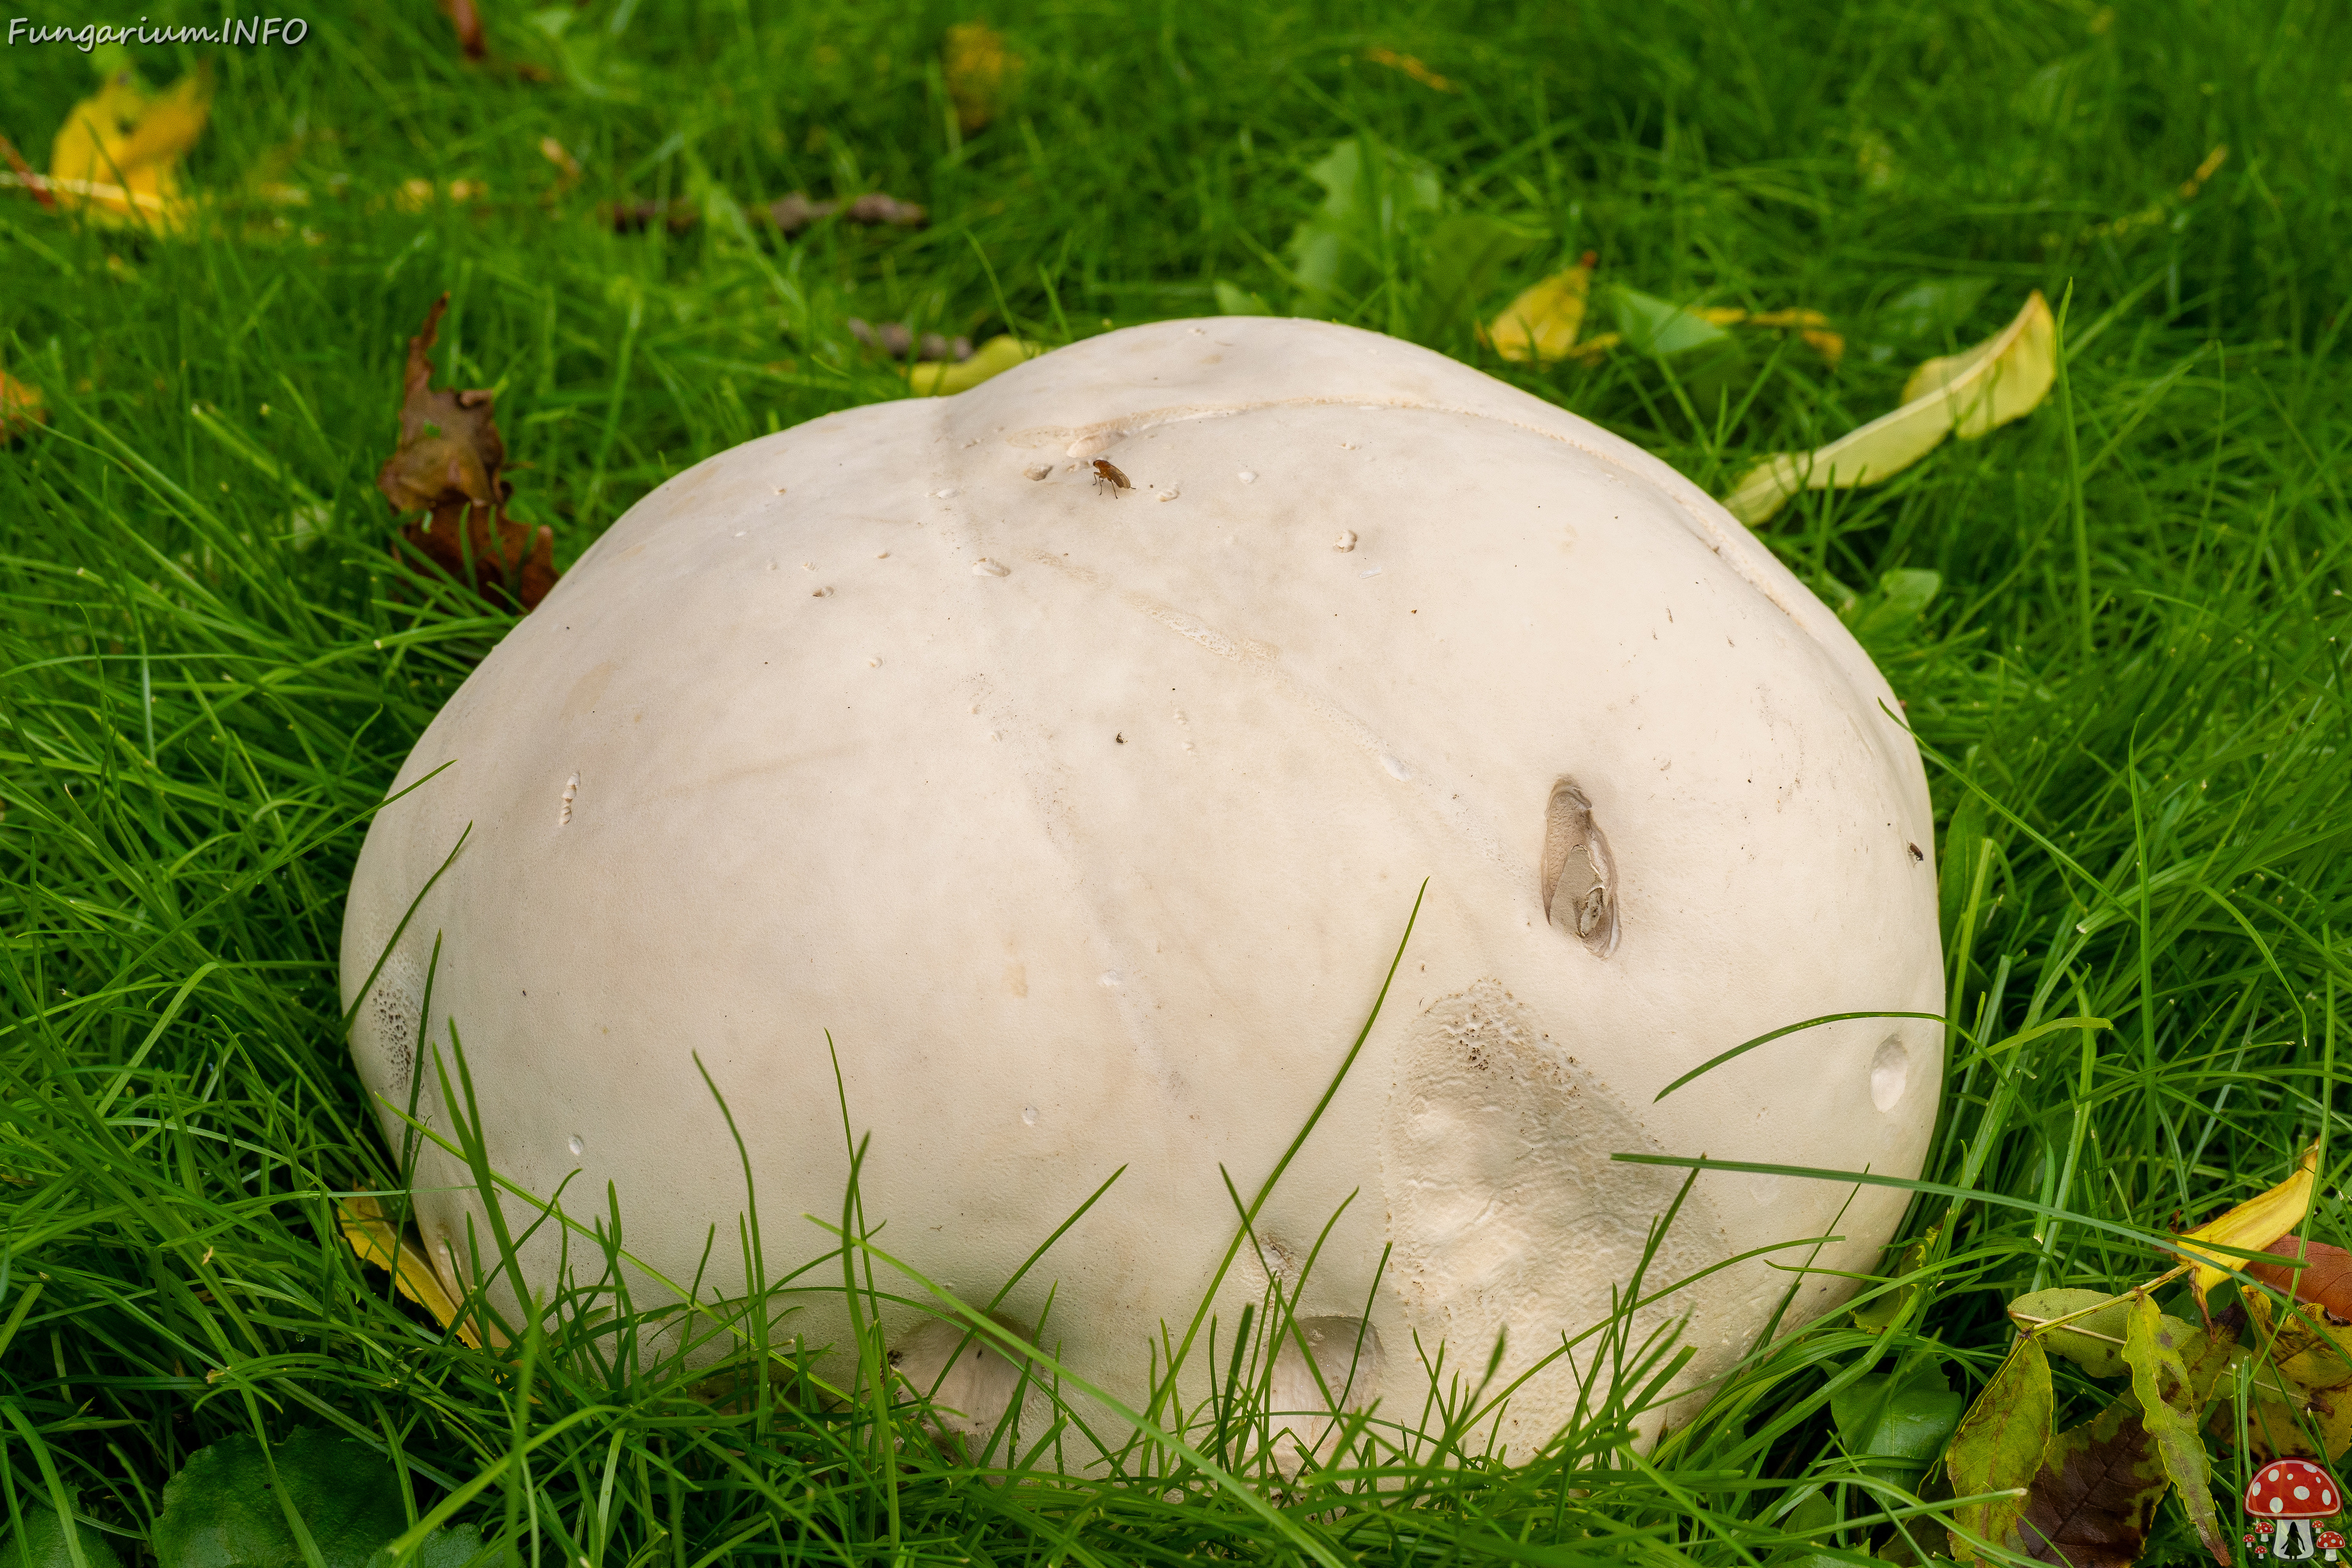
x,y
1107,469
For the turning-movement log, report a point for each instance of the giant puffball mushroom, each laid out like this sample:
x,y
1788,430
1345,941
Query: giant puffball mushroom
x,y
1084,822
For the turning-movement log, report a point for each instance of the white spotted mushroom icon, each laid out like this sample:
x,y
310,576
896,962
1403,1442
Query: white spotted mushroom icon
x,y
2290,1494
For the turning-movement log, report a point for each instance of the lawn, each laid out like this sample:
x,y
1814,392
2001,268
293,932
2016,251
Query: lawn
x,y
2128,682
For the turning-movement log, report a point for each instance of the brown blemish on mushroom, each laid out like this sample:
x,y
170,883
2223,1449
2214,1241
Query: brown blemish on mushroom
x,y
571,792
1578,878
1016,979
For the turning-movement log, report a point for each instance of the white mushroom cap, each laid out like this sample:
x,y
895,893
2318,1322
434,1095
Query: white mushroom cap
x,y
1088,827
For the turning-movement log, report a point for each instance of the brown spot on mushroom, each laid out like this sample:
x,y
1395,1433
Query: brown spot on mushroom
x,y
1918,854
1578,877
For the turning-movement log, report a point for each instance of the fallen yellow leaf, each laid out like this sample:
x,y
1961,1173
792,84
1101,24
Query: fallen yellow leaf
x,y
1410,66
21,408
1542,324
2253,1225
369,1231
944,379
1967,395
117,154
981,72
567,166
416,195
1810,325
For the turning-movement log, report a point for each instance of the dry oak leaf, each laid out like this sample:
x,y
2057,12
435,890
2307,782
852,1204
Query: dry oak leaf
x,y
448,465
21,408
980,73
117,154
1965,395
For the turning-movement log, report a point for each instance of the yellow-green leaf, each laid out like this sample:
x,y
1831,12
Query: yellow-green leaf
x,y
2169,1409
941,379
1999,1446
2094,1340
369,1231
1881,1312
117,154
1541,326
1967,395
2251,1225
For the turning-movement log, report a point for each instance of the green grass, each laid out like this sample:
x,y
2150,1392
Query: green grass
x,y
2131,684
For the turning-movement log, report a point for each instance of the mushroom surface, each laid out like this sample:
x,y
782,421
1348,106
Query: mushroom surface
x,y
1087,826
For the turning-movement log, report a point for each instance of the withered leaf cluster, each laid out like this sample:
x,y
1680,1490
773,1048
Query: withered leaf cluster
x,y
795,212
898,340
448,467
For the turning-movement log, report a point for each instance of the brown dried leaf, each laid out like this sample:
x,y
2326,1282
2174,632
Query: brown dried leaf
x,y
677,215
448,465
2324,1280
2092,1503
878,209
26,178
795,212
467,20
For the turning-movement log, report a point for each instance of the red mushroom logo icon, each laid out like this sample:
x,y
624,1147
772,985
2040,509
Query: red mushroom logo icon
x,y
2331,1541
2288,1494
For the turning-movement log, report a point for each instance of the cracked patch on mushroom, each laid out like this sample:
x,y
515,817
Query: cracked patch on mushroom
x,y
1507,1214
389,1027
1579,876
